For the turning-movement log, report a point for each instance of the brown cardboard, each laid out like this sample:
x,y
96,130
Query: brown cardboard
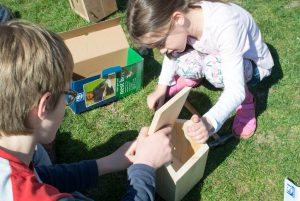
x,y
96,47
93,10
106,68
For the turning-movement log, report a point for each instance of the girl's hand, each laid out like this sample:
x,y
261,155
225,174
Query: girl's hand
x,y
157,98
198,129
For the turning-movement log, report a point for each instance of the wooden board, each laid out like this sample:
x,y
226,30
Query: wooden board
x,y
174,180
169,112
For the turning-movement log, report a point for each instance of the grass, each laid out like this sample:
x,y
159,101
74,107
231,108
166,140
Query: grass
x,y
251,169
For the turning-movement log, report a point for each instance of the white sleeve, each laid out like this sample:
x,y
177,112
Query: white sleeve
x,y
168,71
232,42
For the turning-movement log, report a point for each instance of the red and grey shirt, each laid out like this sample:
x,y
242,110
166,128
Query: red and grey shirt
x,y
18,182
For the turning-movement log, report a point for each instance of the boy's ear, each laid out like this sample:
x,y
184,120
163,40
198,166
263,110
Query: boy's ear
x,y
42,106
178,17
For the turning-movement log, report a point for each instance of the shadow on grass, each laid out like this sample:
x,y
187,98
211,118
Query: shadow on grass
x,y
109,187
122,4
261,92
152,67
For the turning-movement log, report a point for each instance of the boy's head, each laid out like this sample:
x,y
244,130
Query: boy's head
x,y
33,61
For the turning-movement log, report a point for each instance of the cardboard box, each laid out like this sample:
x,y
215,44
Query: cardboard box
x,y
106,68
93,10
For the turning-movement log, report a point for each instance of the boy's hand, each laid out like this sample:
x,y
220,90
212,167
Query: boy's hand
x,y
157,98
154,150
121,159
198,129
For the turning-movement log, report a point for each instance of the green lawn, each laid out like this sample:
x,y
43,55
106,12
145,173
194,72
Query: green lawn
x,y
251,169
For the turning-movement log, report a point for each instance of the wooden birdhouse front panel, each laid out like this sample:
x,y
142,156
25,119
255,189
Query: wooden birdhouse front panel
x,y
176,179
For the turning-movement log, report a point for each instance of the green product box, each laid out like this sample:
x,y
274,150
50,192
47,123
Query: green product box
x,y
106,68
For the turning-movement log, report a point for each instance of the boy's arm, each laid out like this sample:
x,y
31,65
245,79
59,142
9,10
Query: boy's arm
x,y
141,185
152,151
70,177
67,199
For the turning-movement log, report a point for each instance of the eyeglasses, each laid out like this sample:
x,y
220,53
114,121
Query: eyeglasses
x,y
70,96
162,42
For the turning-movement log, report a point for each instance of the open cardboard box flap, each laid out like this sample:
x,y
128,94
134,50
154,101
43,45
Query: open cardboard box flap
x,y
96,47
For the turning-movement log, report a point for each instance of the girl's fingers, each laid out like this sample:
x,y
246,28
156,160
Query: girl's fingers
x,y
195,118
199,137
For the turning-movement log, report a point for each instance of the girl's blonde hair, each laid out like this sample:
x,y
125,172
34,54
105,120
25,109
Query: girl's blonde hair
x,y
32,61
147,16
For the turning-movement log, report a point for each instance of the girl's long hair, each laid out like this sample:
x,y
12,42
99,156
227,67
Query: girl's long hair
x,y
148,16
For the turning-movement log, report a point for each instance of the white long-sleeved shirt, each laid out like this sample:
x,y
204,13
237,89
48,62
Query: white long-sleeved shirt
x,y
230,32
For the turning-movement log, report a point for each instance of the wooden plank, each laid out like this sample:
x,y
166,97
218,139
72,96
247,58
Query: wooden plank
x,y
174,180
191,172
168,113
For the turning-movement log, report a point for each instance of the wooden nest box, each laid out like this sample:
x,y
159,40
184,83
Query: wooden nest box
x,y
175,180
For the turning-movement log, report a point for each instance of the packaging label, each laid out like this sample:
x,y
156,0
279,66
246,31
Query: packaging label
x,y
114,84
99,90
291,191
129,80
111,84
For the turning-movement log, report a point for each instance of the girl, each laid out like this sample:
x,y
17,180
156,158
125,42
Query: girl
x,y
232,46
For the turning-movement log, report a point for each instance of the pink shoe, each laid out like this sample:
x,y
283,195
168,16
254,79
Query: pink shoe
x,y
180,84
244,123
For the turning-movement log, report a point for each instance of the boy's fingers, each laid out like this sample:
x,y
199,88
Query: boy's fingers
x,y
131,157
166,131
143,132
132,148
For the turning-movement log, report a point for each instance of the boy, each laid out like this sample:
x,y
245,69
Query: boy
x,y
35,71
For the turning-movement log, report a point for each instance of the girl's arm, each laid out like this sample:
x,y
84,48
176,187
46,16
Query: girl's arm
x,y
232,40
157,98
168,72
232,95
